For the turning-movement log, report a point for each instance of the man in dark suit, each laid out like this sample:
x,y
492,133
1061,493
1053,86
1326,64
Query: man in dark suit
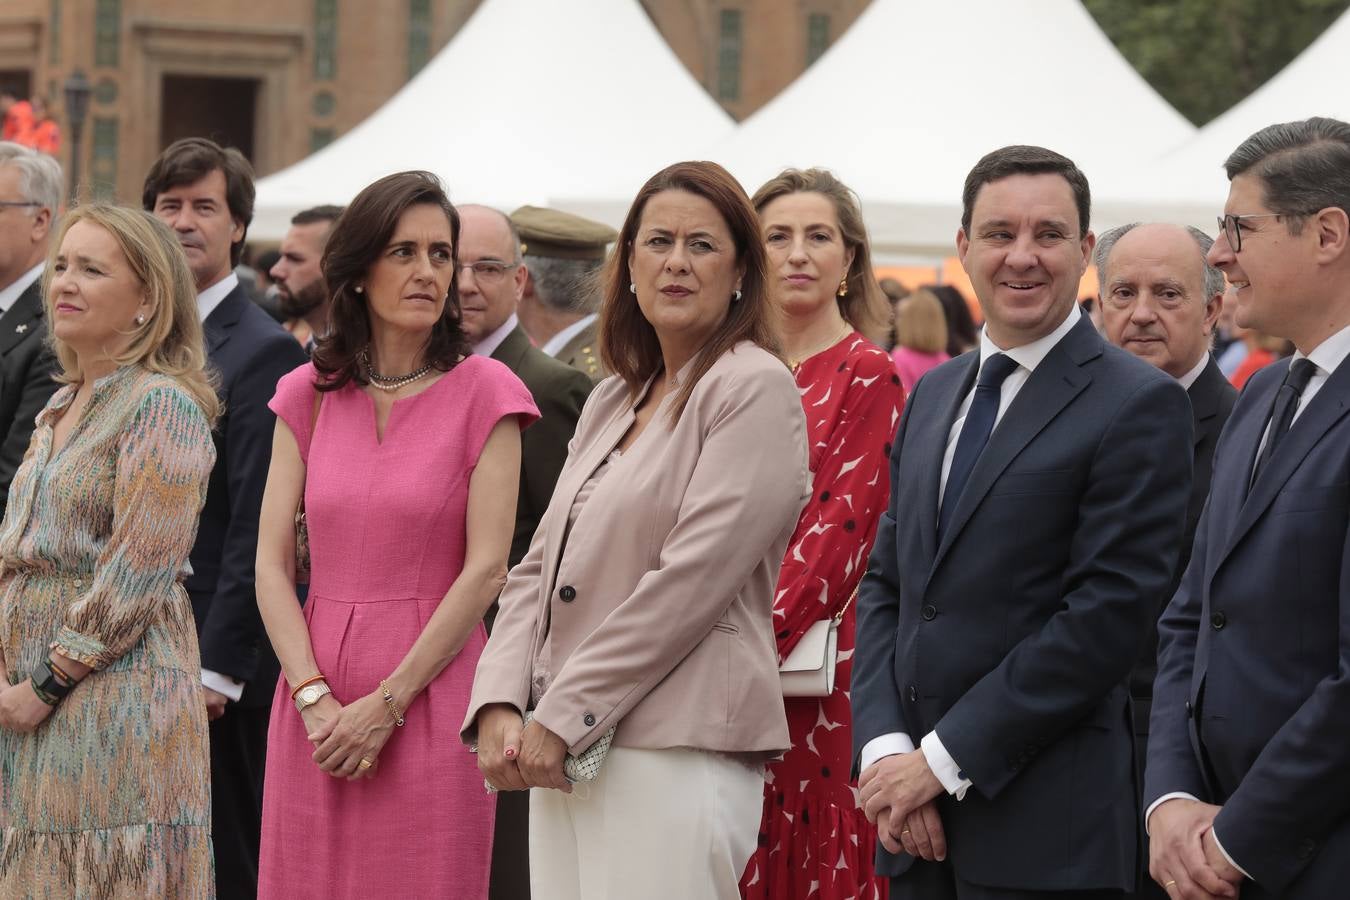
x,y
491,278
1248,779
1160,301
1038,492
205,194
30,195
302,293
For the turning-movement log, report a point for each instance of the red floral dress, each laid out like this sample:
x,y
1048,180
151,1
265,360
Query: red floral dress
x,y
814,841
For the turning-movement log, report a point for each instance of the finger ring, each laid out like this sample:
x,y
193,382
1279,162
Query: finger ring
x,y
905,832
365,763
1169,884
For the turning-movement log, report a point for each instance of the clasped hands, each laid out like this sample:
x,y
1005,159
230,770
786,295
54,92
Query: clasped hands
x,y
20,708
344,735
1183,855
897,794
515,757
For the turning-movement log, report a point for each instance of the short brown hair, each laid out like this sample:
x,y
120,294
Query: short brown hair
x,y
189,160
1021,159
628,342
356,241
865,306
920,323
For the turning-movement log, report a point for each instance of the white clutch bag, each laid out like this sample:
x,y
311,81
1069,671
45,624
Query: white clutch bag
x,y
809,669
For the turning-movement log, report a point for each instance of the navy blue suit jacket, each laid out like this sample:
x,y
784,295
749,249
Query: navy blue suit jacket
x,y
249,352
1014,634
1254,651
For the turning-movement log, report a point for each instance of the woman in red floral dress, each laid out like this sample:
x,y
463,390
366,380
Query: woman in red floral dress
x,y
815,843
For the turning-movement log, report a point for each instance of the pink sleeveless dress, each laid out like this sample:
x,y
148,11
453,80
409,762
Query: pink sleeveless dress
x,y
387,538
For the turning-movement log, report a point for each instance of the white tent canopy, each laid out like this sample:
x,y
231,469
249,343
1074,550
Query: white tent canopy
x,y
917,91
530,100
1192,176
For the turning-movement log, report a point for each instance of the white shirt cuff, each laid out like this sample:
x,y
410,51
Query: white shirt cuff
x,y
882,747
1232,862
223,684
1175,795
944,767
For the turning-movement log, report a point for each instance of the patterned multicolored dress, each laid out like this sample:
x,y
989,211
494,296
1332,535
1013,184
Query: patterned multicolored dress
x,y
110,796
814,842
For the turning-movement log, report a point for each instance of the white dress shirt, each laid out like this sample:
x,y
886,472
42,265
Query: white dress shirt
x,y
1326,356
1027,357
556,343
488,345
10,295
207,301
1193,375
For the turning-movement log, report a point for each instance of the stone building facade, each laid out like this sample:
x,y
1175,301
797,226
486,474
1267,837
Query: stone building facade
x,y
282,78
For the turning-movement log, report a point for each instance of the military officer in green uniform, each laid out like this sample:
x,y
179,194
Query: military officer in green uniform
x,y
563,253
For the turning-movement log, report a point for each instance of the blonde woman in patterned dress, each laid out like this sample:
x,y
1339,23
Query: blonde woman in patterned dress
x,y
103,748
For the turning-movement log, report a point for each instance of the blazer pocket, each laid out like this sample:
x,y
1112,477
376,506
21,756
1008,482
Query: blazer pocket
x,y
726,628
1058,481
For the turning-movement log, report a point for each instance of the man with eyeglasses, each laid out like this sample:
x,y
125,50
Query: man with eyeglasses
x,y
1248,778
491,279
30,195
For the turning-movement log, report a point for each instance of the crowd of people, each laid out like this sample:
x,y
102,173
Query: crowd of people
x,y
28,122
516,556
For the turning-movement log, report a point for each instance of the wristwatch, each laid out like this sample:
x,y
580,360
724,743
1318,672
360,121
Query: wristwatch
x,y
310,694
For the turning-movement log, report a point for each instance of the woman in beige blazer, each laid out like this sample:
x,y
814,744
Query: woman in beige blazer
x,y
644,602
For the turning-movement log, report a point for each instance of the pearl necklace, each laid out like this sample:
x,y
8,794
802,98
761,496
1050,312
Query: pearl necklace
x,y
390,383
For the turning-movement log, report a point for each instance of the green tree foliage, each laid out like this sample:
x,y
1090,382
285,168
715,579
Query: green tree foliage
x,y
1204,56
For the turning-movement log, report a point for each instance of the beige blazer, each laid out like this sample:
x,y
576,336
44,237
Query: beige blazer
x,y
658,604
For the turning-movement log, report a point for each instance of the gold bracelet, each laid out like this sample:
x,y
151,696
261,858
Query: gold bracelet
x,y
393,707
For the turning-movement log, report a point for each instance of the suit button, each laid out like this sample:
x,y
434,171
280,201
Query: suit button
x,y
588,719
567,593
1217,621
929,612
1190,713
913,694
1306,848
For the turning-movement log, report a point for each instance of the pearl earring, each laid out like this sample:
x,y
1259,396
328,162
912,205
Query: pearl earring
x,y
735,296
632,287
140,319
360,290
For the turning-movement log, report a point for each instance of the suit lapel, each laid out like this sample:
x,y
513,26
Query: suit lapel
x,y
950,385
21,319
1205,395
1056,381
511,351
220,324
1322,412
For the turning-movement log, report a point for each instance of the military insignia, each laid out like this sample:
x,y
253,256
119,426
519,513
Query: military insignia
x,y
20,329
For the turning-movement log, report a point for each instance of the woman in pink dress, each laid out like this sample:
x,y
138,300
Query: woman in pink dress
x,y
920,337
815,842
407,452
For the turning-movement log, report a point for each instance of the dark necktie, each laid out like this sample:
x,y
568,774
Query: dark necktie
x,y
975,431
1286,404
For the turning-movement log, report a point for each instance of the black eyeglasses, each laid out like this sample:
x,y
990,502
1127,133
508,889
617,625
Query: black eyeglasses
x,y
1229,226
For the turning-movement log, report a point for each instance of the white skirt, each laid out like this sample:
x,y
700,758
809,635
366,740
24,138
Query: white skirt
x,y
655,824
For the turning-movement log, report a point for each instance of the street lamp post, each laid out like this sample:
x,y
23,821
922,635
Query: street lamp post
x,y
77,90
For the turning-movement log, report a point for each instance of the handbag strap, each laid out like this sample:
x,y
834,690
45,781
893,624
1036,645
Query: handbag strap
x,y
839,616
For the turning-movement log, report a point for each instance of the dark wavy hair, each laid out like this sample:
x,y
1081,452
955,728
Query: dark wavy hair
x,y
357,240
628,342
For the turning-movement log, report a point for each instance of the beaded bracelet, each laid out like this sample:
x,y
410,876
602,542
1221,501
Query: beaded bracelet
x,y
393,707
